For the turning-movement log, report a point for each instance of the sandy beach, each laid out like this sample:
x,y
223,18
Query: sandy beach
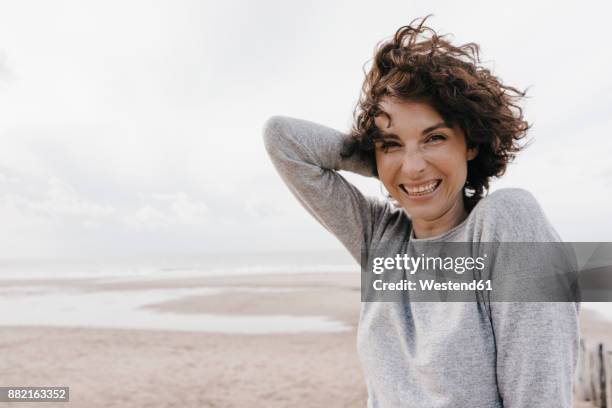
x,y
106,366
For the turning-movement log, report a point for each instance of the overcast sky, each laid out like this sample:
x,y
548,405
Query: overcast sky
x,y
134,127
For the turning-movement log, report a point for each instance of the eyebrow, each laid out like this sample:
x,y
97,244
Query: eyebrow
x,y
424,132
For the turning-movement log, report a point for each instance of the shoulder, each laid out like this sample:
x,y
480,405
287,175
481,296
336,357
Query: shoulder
x,y
514,202
513,214
389,221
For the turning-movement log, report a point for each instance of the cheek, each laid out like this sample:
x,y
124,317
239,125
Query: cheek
x,y
456,170
384,167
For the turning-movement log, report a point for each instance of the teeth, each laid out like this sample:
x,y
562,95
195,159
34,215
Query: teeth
x,y
422,189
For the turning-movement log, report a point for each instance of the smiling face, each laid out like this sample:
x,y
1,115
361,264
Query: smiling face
x,y
422,162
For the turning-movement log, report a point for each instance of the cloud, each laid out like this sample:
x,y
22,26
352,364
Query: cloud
x,y
260,207
54,199
5,72
169,210
169,109
62,200
8,176
147,217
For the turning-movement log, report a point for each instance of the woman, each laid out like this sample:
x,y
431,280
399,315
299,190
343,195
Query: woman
x,y
435,127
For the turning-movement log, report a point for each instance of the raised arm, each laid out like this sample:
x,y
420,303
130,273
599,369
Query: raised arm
x,y
307,157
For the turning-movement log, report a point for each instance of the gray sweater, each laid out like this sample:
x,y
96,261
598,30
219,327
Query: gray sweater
x,y
436,354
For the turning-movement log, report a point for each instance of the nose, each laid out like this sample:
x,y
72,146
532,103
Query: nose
x,y
414,163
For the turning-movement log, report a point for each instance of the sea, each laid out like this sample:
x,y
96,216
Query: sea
x,y
33,293
41,292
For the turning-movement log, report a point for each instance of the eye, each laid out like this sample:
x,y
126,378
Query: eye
x,y
435,138
385,145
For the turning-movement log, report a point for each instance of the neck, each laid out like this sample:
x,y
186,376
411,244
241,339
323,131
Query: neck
x,y
447,221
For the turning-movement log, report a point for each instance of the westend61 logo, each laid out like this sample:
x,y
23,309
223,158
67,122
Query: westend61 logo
x,y
396,270
412,264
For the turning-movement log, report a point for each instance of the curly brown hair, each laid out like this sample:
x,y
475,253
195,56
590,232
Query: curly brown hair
x,y
413,66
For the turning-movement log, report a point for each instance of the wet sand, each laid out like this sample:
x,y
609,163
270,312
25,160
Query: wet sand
x,y
162,368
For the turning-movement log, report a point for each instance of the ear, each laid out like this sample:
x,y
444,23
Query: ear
x,y
472,153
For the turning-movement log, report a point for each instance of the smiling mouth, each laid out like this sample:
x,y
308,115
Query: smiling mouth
x,y
422,189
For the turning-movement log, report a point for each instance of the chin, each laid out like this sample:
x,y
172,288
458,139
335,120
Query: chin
x,y
424,217
419,214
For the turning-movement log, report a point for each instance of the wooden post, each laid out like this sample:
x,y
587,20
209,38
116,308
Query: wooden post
x,y
595,363
593,376
601,352
607,363
582,376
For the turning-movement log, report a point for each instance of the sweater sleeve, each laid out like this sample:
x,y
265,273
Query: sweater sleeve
x,y
536,342
537,347
307,158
